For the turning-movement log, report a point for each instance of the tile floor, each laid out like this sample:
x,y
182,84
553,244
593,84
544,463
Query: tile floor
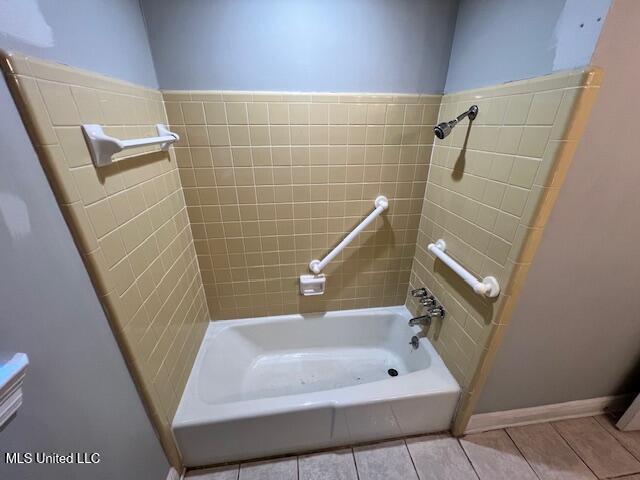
x,y
582,448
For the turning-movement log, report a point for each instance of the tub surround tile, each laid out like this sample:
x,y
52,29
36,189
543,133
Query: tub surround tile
x,y
279,469
333,465
440,457
129,221
491,187
300,171
385,461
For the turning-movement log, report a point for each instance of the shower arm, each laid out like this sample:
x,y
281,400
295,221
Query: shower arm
x,y
443,129
472,113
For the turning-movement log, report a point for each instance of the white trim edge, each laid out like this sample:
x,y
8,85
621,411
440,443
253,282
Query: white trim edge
x,y
482,422
11,377
630,420
173,474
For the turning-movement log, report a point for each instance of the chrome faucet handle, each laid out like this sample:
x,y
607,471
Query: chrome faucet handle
x,y
419,292
437,312
428,301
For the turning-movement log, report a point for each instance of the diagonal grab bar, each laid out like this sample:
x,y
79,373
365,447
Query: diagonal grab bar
x,y
381,203
488,286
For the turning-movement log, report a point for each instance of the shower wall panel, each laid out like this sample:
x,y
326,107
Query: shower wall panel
x,y
491,187
128,220
274,180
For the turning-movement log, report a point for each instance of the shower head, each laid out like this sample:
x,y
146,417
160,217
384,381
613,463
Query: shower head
x,y
443,129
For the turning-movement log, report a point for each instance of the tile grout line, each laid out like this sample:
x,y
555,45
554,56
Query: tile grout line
x,y
521,453
473,467
484,254
186,205
617,441
173,264
413,463
355,463
572,449
184,296
255,193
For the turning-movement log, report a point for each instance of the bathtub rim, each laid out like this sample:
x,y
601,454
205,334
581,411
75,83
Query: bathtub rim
x,y
218,325
433,380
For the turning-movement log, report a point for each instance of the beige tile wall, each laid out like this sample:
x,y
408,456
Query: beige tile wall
x,y
261,183
491,187
274,180
129,221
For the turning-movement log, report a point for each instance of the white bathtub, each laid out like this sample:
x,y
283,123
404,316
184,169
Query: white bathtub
x,y
275,385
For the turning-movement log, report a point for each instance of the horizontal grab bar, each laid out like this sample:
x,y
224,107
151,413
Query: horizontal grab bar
x,y
102,146
488,286
381,203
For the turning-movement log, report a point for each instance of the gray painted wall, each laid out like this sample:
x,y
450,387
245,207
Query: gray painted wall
x,y
293,45
497,41
104,36
78,394
575,333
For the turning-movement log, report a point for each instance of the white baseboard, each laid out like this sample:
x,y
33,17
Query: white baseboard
x,y
173,474
546,413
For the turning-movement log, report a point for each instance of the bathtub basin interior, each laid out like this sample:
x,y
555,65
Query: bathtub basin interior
x,y
292,355
285,384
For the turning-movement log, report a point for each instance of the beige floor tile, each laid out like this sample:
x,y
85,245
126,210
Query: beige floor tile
x,y
597,447
279,469
548,454
384,461
440,457
495,457
334,465
629,440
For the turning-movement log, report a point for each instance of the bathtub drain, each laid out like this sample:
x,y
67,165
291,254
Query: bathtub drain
x,y
392,372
